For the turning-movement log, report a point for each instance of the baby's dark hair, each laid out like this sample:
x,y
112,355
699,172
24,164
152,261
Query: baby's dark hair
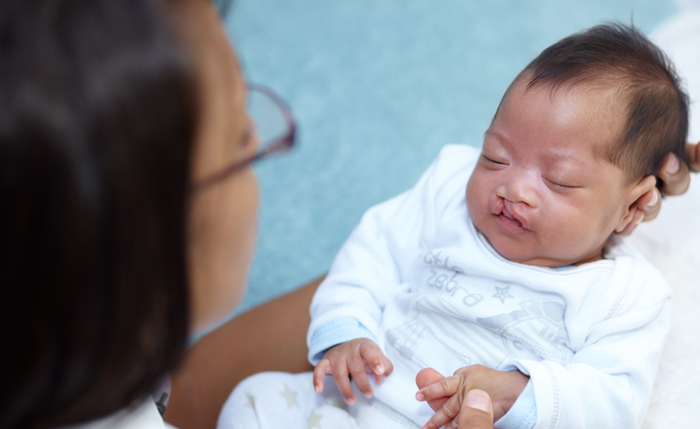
x,y
620,57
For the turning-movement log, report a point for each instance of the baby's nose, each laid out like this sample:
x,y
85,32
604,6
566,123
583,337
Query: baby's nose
x,y
519,189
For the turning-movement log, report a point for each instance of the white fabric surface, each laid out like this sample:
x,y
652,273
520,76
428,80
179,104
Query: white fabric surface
x,y
672,243
274,400
433,292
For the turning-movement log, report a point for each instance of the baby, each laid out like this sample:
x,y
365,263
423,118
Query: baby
x,y
503,266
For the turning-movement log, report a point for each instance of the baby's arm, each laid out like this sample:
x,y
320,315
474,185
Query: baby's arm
x,y
446,394
607,383
373,266
354,359
347,309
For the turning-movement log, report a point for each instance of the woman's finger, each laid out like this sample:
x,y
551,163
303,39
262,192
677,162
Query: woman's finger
x,y
693,151
323,367
675,175
476,411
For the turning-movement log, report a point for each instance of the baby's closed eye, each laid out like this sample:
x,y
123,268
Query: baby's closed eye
x,y
559,184
493,160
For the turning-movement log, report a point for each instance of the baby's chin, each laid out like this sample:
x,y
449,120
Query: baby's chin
x,y
523,254
534,260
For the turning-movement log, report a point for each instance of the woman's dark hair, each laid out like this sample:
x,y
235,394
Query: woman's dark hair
x,y
618,56
97,120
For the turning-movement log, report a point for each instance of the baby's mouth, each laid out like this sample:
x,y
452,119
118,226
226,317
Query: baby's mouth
x,y
510,219
508,215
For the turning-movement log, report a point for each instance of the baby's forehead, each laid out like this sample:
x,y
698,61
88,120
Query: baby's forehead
x,y
591,115
599,102
606,112
603,92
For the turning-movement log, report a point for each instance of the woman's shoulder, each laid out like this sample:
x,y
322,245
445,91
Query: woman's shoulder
x,y
143,415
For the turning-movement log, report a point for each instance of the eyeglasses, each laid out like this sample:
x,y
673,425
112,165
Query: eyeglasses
x,y
274,125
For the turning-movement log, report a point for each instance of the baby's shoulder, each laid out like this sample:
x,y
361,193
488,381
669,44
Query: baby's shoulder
x,y
457,156
453,165
637,282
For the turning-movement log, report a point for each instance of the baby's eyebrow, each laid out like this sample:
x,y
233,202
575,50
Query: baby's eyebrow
x,y
562,155
566,168
570,167
558,161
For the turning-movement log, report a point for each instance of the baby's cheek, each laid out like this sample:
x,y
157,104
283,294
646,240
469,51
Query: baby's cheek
x,y
570,232
475,196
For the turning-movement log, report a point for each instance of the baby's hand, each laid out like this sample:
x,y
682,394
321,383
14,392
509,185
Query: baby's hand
x,y
355,358
446,394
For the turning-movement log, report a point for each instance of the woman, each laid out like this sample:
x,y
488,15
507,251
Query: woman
x,y
129,211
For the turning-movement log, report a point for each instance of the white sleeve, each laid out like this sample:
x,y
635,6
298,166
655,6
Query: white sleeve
x,y
609,380
370,267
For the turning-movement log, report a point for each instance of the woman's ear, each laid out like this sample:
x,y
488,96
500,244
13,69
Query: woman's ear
x,y
643,187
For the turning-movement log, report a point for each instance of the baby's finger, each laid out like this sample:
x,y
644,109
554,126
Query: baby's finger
x,y
372,354
448,386
447,413
426,377
342,380
323,367
388,366
356,365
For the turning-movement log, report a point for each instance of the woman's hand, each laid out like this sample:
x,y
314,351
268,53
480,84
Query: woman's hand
x,y
355,358
675,175
447,395
476,411
676,179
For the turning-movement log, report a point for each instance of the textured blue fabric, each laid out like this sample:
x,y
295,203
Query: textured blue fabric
x,y
378,88
335,332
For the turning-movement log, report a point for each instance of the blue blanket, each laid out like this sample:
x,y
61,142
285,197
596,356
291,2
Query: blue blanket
x,y
378,87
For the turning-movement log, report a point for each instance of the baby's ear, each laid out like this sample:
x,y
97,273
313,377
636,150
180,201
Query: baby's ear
x,y
643,187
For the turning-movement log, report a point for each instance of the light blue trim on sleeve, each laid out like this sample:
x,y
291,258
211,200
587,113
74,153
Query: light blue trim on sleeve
x,y
523,413
564,267
333,333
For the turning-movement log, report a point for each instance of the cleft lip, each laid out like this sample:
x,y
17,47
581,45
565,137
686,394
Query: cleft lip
x,y
509,211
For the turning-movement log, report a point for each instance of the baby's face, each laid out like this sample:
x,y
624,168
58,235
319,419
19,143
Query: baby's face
x,y
539,193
